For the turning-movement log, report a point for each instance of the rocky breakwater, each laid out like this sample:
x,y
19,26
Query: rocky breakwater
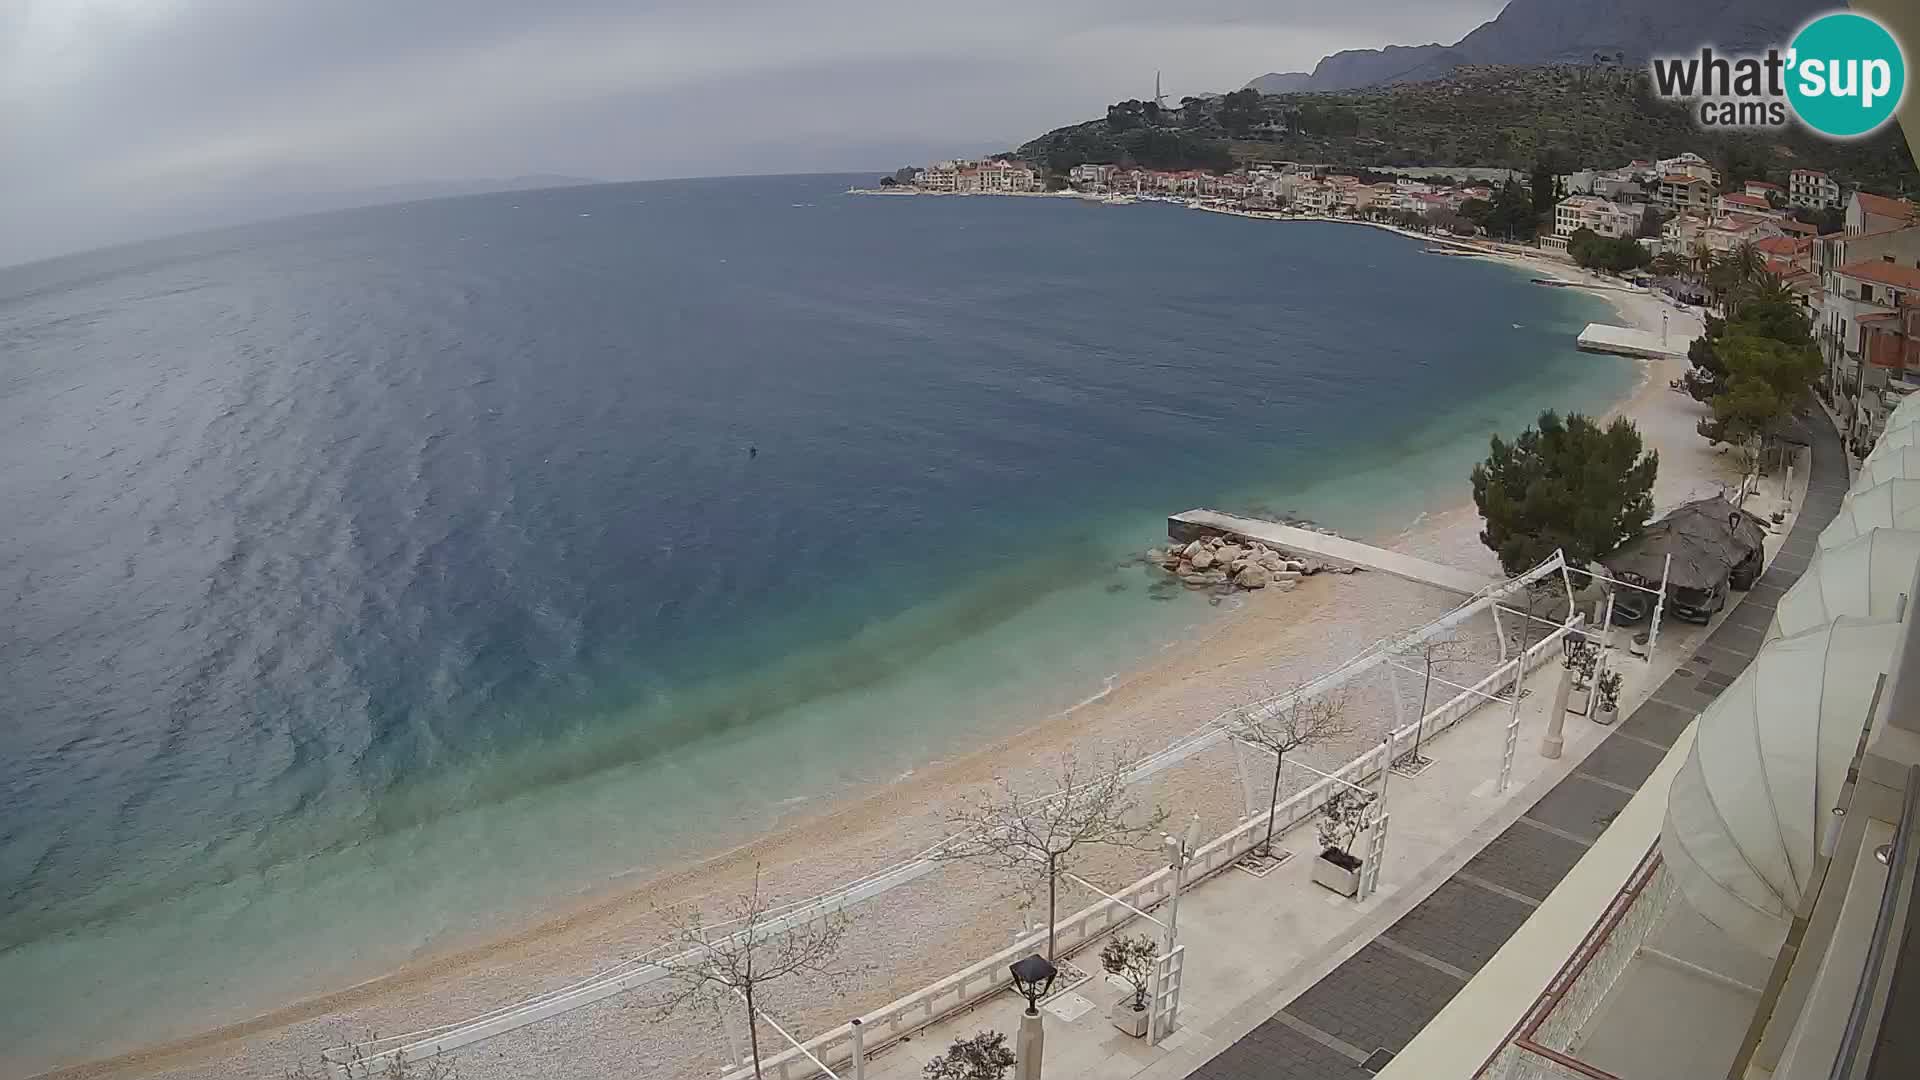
x,y
1220,562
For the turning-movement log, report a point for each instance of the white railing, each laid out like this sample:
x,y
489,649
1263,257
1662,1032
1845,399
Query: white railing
x,y
970,985
933,1003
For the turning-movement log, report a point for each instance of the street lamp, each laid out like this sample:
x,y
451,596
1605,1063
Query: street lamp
x,y
1032,977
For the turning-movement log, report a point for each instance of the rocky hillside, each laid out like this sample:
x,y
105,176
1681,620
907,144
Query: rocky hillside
x,y
1566,116
1533,32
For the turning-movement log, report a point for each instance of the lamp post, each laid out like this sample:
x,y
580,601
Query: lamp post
x,y
1178,852
1032,977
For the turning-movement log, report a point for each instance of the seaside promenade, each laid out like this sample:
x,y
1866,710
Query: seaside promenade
x,y
1287,980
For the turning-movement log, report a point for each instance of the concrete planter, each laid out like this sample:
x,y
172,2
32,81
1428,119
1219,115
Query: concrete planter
x,y
1127,1018
1336,875
1604,713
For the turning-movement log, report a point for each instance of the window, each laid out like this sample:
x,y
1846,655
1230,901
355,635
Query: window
x,y
1866,292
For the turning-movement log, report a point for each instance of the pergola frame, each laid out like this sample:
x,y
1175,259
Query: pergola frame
x,y
644,971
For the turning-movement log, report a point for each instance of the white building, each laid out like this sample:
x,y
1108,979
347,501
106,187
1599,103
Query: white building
x,y
1812,188
1682,192
1602,216
1689,165
942,176
1092,177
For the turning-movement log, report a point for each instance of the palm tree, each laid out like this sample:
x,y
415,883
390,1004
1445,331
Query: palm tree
x,y
1702,259
1745,263
1667,264
1770,288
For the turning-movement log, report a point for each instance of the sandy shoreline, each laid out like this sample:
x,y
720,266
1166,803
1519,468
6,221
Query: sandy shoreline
x,y
925,930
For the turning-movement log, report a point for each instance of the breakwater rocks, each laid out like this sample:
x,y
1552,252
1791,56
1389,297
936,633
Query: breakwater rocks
x,y
1220,562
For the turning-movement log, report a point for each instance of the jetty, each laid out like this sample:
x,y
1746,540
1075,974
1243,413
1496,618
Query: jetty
x,y
1626,341
1193,524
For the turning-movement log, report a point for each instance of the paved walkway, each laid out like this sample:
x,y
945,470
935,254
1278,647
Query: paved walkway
x,y
1326,546
1350,1023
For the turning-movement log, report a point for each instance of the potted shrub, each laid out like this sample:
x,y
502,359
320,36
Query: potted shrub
x,y
984,1056
1131,958
1606,701
1341,816
1582,659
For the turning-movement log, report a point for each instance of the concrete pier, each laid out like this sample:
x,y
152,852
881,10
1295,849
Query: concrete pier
x,y
1626,341
1194,524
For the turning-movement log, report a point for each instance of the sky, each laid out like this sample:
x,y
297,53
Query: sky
x,y
129,118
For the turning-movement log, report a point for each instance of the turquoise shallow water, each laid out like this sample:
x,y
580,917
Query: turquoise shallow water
x,y
387,574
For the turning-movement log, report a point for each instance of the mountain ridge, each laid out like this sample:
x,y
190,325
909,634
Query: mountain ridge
x,y
1535,32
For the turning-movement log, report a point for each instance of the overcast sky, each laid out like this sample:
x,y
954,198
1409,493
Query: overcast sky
x,y
120,118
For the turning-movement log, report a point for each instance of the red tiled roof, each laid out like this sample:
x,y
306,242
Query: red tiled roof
x,y
1754,201
1793,225
1881,206
1884,273
1763,184
1781,245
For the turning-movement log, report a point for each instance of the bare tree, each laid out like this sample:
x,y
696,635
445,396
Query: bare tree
x,y
1303,721
1432,653
750,947
1086,807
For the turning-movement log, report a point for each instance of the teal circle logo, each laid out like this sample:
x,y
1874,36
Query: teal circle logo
x,y
1846,75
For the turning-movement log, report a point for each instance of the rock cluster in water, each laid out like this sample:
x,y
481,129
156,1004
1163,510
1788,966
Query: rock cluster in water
x,y
1217,561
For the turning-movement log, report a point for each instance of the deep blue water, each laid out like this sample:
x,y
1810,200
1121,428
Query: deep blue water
x,y
371,577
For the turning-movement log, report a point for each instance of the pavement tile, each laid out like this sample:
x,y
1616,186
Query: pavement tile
x,y
1377,998
1579,806
1623,761
1462,924
1526,860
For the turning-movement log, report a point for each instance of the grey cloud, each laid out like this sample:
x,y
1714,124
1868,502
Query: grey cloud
x,y
123,117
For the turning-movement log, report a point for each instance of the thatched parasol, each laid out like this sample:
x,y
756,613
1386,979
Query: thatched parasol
x,y
1707,538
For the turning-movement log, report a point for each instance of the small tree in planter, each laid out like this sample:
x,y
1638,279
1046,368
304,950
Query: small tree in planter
x,y
1433,652
1606,702
1305,721
982,1057
1340,819
1085,807
1132,959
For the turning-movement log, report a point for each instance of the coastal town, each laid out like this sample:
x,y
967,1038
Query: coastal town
x,y
1850,257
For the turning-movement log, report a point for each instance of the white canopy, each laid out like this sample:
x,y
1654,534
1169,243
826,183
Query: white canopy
x,y
1899,463
1906,412
1896,438
1894,504
1746,812
1863,577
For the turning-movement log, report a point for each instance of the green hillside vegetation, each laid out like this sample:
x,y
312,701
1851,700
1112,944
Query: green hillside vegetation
x,y
1507,117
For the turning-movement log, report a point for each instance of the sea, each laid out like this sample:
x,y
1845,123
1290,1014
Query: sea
x,y
375,580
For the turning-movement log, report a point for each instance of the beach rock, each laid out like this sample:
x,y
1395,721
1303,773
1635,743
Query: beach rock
x,y
1203,559
1205,580
1297,567
1272,562
1192,549
1251,576
1229,553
